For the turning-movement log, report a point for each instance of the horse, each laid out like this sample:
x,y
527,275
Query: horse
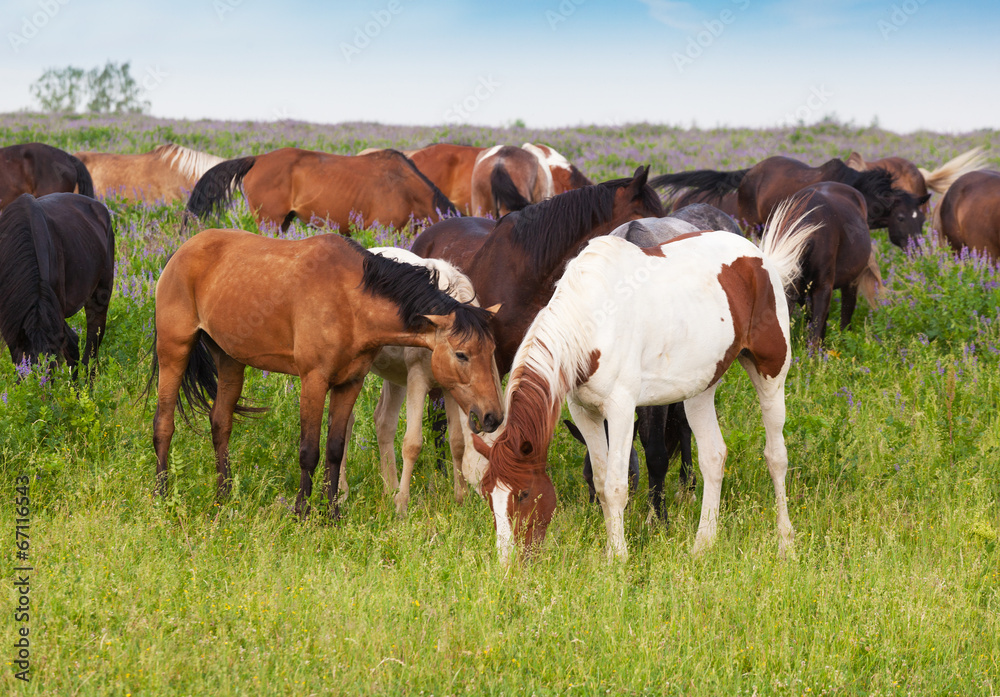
x,y
762,187
166,173
507,178
565,175
39,169
57,256
407,372
917,180
696,304
320,308
839,256
289,183
450,168
969,214
517,262
726,202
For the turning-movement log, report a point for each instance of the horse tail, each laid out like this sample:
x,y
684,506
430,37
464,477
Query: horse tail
x,y
441,203
505,192
869,281
214,190
786,236
200,381
708,181
944,176
84,182
30,313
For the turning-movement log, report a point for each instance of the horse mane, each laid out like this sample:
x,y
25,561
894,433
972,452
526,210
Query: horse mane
x,y
27,302
547,230
441,202
450,279
876,184
414,289
189,163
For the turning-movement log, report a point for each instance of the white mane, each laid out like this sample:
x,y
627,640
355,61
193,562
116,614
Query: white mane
x,y
190,163
450,279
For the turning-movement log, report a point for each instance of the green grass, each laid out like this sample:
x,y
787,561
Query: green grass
x,y
894,438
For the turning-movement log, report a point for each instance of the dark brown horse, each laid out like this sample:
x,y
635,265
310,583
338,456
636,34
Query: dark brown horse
x,y
518,262
917,180
39,169
57,256
506,179
762,187
383,186
838,257
320,308
969,214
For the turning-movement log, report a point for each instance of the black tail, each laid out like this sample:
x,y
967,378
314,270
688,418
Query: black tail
x,y
700,180
214,191
441,203
84,183
505,193
31,319
200,382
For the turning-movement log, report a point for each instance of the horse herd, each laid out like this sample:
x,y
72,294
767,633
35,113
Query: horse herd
x,y
543,290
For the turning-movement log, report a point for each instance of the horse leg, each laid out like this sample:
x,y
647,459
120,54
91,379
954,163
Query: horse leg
x,y
311,401
342,487
704,422
386,423
678,428
819,310
848,302
97,316
231,373
71,349
417,387
457,427
172,357
771,395
342,399
652,426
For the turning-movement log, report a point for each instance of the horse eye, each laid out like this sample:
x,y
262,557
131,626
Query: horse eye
x,y
522,495
460,355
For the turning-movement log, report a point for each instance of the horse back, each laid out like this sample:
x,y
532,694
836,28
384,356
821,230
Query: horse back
x,y
970,212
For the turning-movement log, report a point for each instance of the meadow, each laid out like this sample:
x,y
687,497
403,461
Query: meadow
x,y
893,434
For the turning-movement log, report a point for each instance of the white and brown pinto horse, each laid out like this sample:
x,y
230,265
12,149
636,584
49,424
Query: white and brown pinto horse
x,y
565,175
690,307
407,373
506,179
165,173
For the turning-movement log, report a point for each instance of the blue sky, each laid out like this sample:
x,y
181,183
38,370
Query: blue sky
x,y
910,64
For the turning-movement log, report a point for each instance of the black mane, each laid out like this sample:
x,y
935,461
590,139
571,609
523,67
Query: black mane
x,y
415,290
441,202
548,229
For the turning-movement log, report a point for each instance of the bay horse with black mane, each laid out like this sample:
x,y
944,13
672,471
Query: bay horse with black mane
x,y
166,173
765,185
57,256
969,214
517,261
382,186
39,169
677,349
320,308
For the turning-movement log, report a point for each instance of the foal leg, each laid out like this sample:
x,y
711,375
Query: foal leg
x,y
342,399
771,394
231,373
457,433
386,423
342,484
311,401
704,423
417,387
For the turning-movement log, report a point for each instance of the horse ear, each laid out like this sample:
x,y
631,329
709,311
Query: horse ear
x,y
923,199
493,309
856,162
480,445
638,182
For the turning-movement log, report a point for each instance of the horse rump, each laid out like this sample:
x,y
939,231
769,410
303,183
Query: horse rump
x,y
214,190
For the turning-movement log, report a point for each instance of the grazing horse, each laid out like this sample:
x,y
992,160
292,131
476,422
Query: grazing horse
x,y
506,179
565,175
166,173
57,255
450,168
701,301
289,183
839,255
39,169
969,214
407,373
765,185
518,262
320,308
917,180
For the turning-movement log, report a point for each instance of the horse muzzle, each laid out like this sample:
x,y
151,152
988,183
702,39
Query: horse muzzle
x,y
480,424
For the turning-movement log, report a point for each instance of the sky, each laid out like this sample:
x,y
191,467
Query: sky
x,y
904,64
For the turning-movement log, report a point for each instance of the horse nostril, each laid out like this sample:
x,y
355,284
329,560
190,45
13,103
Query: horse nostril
x,y
475,422
491,423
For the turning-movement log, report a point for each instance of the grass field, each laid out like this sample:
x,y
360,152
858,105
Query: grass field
x,y
893,433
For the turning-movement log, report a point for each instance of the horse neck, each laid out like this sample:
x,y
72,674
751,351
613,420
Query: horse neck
x,y
384,327
835,170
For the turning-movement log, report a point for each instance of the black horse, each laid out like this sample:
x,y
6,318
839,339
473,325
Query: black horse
x,y
57,255
39,169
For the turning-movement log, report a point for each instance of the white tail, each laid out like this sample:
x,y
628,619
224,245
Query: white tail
x,y
944,176
785,239
869,281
